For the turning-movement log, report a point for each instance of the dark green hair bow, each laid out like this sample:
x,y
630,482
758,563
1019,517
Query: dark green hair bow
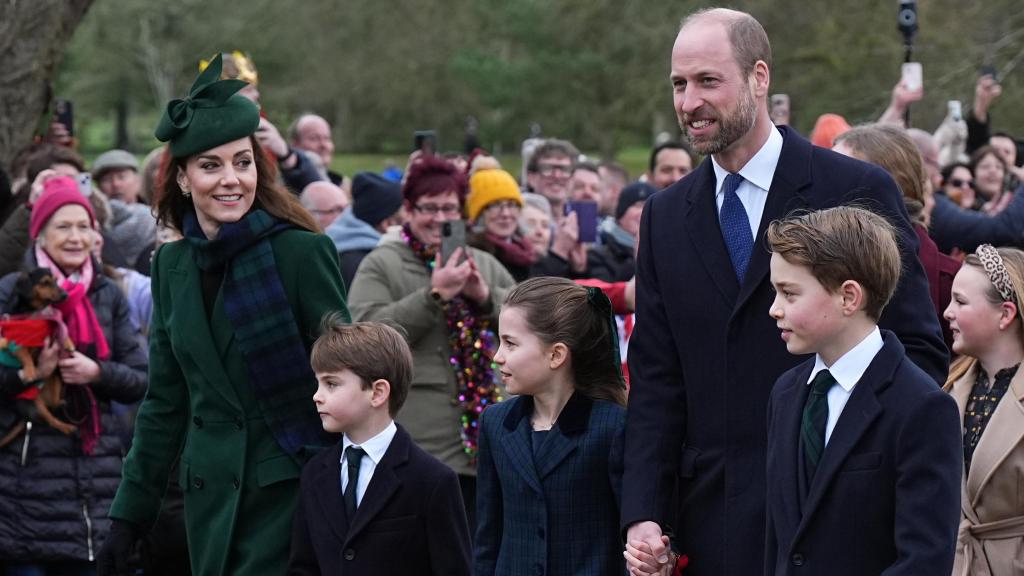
x,y
599,300
212,114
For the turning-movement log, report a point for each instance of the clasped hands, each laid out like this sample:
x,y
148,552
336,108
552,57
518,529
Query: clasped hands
x,y
647,551
451,278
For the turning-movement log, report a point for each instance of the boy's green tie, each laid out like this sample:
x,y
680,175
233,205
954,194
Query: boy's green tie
x,y
812,426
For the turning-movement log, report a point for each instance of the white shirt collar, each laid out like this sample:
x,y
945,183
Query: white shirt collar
x,y
375,447
760,169
848,369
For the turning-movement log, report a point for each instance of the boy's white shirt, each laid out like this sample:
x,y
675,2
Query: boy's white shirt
x,y
847,371
375,448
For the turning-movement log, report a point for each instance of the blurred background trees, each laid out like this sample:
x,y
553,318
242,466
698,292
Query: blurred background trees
x,y
593,71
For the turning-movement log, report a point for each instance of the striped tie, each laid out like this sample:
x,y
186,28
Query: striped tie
x,y
812,426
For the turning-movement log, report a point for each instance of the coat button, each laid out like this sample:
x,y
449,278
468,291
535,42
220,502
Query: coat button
x,y
238,424
798,559
197,421
235,482
540,533
350,554
538,570
197,483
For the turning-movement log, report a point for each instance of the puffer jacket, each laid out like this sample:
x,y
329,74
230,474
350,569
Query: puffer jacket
x,y
53,507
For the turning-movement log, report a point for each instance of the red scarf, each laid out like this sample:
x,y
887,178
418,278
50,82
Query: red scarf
x,y
515,250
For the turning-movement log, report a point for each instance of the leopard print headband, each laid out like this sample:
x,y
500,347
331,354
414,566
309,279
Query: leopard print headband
x,y
996,271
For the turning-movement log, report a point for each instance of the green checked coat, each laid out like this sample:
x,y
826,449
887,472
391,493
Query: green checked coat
x,y
240,486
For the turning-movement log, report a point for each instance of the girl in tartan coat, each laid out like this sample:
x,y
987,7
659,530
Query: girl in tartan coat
x,y
550,459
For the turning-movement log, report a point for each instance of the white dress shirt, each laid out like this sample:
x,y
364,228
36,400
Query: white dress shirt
x,y
757,176
847,371
375,448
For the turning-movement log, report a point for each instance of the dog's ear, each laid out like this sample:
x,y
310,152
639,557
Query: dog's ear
x,y
24,286
37,275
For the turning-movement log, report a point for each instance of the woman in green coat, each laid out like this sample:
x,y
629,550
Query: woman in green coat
x,y
236,307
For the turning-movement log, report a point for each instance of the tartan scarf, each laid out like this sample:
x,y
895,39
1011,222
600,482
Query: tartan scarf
x,y
257,306
472,344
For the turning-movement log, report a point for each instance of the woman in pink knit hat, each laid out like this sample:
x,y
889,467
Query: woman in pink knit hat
x,y
56,488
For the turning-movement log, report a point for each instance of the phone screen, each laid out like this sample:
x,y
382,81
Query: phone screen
x,y
425,141
453,235
913,76
586,219
63,112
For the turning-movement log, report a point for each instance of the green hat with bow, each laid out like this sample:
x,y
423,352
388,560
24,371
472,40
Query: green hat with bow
x,y
212,114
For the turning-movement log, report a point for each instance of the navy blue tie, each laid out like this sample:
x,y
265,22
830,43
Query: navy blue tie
x,y
354,457
735,226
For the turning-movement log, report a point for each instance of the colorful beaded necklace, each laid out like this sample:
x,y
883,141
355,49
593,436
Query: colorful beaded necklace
x,y
472,344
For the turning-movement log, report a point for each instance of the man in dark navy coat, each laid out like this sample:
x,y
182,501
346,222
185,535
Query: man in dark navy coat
x,y
705,353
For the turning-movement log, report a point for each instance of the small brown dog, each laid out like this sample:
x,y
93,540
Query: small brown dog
x,y
35,319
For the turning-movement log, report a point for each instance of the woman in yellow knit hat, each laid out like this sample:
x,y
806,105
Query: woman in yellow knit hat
x,y
493,207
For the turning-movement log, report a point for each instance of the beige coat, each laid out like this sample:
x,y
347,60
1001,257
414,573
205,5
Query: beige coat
x,y
991,539
393,285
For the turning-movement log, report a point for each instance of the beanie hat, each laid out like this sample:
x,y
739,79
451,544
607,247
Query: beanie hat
x,y
57,193
212,114
374,197
635,192
489,186
827,129
112,159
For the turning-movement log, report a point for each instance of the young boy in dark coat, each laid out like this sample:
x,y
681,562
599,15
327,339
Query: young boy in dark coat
x,y
864,450
376,503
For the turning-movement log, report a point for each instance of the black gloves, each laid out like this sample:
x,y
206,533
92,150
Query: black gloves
x,y
119,552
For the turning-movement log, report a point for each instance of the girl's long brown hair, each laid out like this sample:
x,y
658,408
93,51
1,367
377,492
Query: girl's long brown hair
x,y
171,205
558,310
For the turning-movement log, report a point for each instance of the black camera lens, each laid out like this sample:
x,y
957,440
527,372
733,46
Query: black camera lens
x,y
906,18
446,229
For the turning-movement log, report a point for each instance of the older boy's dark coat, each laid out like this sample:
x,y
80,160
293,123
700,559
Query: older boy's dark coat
x,y
886,496
556,512
411,520
705,353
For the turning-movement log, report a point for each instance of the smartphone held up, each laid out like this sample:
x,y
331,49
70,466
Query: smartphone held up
x,y
912,76
586,219
453,237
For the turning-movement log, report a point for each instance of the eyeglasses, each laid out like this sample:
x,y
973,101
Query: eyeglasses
x,y
434,209
550,169
958,183
497,207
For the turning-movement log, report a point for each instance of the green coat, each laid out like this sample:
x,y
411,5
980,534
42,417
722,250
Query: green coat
x,y
393,285
240,486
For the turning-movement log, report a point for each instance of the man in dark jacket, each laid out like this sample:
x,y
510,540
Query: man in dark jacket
x,y
376,205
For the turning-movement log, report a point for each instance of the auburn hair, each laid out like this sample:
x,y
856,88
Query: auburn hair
x,y
171,205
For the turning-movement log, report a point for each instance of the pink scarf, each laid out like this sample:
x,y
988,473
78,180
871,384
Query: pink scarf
x,y
83,327
85,332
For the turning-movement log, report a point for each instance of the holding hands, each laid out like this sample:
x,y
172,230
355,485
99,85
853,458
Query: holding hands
x,y
648,552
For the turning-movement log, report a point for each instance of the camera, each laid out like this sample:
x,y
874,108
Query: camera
x,y
906,18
